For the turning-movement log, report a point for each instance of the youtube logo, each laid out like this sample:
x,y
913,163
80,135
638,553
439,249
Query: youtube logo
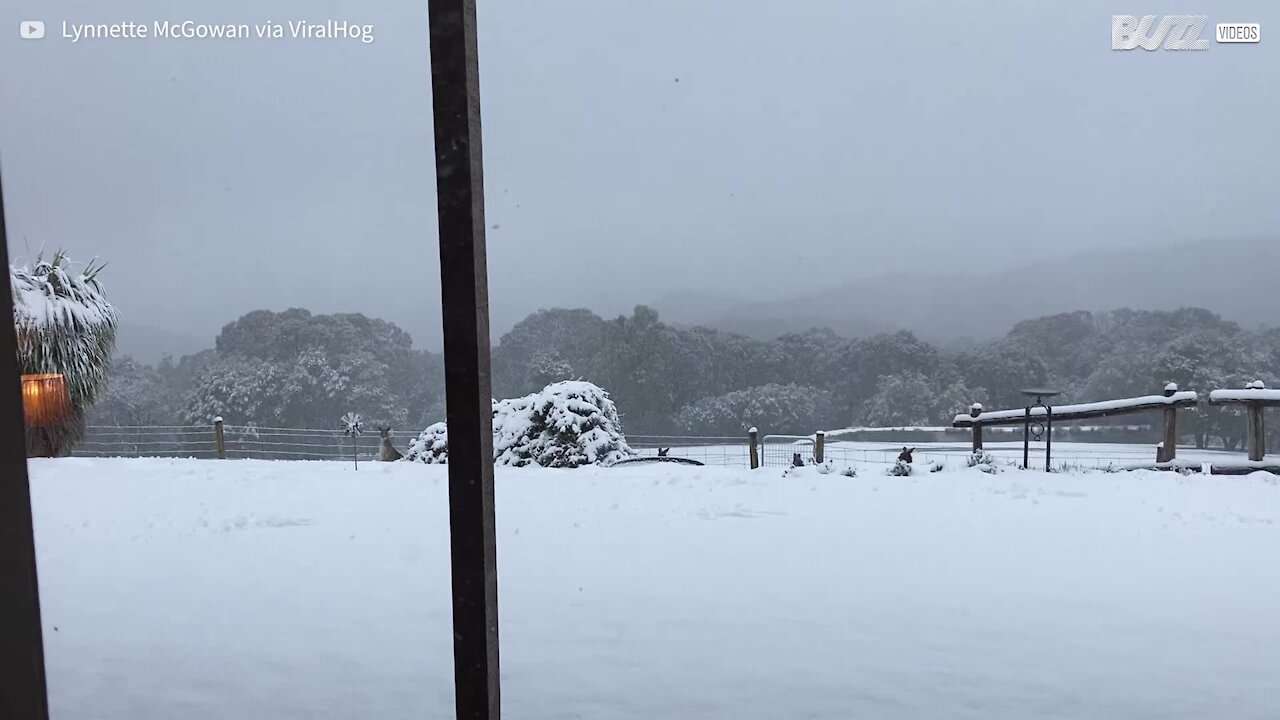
x,y
31,29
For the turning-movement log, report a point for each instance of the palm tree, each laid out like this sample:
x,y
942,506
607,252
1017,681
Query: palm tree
x,y
65,326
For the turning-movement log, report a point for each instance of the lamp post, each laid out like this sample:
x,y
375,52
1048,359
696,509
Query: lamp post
x,y
1038,430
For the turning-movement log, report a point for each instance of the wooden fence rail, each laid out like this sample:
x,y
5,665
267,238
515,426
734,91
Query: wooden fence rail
x,y
1169,402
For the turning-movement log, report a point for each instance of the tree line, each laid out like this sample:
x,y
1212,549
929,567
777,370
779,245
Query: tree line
x,y
297,369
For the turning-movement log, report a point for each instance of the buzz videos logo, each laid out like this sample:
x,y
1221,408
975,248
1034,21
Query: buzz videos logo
x,y
1176,32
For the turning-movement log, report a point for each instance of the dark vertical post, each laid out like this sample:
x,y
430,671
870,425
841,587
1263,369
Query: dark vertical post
x,y
22,685
974,411
465,299
219,439
1026,440
819,446
1048,438
1257,432
1170,441
753,447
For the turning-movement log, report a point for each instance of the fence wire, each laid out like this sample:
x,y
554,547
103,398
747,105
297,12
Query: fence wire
x,y
775,451
239,441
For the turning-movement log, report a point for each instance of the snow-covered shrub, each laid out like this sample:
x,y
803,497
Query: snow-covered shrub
x,y
66,326
980,457
431,447
901,468
937,466
824,468
567,424
984,461
849,471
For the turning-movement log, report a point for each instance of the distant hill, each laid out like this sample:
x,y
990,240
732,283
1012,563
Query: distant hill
x,y
1235,278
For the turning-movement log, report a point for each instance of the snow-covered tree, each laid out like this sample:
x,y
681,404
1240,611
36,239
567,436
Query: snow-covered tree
x,y
913,400
302,370
135,394
785,409
1004,369
66,326
547,368
242,391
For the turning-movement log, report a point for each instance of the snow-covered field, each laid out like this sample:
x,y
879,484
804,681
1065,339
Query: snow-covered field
x,y
253,589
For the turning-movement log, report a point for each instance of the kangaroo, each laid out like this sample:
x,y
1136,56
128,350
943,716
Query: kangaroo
x,y
905,455
796,460
662,452
389,451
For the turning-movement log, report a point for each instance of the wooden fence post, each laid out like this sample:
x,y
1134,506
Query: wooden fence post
x,y
974,411
1169,447
754,446
1169,440
819,446
218,440
1257,431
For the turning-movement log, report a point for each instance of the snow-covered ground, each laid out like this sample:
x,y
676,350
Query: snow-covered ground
x,y
254,589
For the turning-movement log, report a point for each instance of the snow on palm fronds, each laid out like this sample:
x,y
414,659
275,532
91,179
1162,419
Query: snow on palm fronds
x,y
64,325
567,424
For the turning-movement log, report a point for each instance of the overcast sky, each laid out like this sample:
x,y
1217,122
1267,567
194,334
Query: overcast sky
x,y
632,149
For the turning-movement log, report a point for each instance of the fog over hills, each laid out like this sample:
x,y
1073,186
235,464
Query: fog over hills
x,y
1234,278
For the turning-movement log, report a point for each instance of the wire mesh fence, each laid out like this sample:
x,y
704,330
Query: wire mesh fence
x,y
147,441
720,451
239,441
775,451
271,443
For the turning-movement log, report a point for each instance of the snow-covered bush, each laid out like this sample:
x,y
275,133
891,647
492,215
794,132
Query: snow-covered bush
x,y
849,471
431,447
567,424
937,466
901,468
981,457
66,326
